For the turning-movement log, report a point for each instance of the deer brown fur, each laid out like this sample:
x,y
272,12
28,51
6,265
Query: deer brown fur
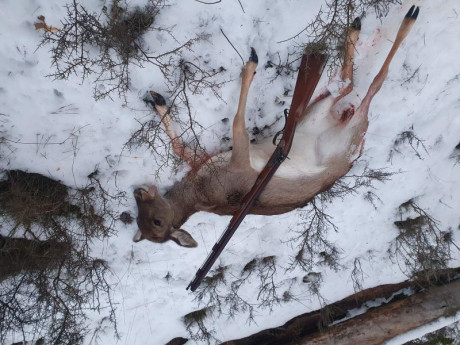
x,y
326,144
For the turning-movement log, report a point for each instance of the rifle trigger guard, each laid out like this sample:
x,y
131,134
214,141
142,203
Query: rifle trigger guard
x,y
286,114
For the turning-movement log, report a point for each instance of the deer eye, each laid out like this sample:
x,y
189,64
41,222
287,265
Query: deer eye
x,y
156,222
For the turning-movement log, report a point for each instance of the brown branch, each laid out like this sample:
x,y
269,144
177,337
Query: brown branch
x,y
209,3
242,8
223,33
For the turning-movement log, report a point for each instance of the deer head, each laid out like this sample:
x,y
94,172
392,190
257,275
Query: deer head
x,y
155,219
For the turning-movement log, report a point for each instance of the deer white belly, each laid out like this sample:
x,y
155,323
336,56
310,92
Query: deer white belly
x,y
317,138
300,162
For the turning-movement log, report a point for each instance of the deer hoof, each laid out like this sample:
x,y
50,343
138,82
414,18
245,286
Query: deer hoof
x,y
413,12
356,25
154,98
254,58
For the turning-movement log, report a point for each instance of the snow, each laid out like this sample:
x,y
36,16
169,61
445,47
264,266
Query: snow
x,y
56,128
420,331
373,304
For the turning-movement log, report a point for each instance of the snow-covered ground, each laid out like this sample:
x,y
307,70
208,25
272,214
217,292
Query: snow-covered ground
x,y
56,128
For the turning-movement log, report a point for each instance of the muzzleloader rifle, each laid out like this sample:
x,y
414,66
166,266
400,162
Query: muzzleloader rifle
x,y
310,71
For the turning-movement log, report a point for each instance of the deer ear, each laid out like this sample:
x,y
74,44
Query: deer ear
x,y
183,238
138,236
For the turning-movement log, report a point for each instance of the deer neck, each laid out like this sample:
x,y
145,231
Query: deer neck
x,y
182,197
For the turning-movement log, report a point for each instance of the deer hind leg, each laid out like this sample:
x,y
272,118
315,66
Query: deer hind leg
x,y
403,31
346,73
191,157
347,68
240,152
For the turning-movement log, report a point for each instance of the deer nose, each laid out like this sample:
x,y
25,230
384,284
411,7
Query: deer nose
x,y
138,193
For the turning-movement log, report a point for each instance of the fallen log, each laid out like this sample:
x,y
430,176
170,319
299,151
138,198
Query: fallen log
x,y
384,323
401,314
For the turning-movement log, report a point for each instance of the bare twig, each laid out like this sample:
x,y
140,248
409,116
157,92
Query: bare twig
x,y
421,248
412,139
190,78
223,33
412,76
242,8
329,28
117,33
209,3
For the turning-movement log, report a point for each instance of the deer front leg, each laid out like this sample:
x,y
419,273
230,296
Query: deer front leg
x,y
403,31
192,158
240,152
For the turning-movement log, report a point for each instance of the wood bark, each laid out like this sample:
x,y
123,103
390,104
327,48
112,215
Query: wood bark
x,y
377,325
384,323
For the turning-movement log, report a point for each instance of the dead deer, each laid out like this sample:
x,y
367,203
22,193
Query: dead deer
x,y
327,142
